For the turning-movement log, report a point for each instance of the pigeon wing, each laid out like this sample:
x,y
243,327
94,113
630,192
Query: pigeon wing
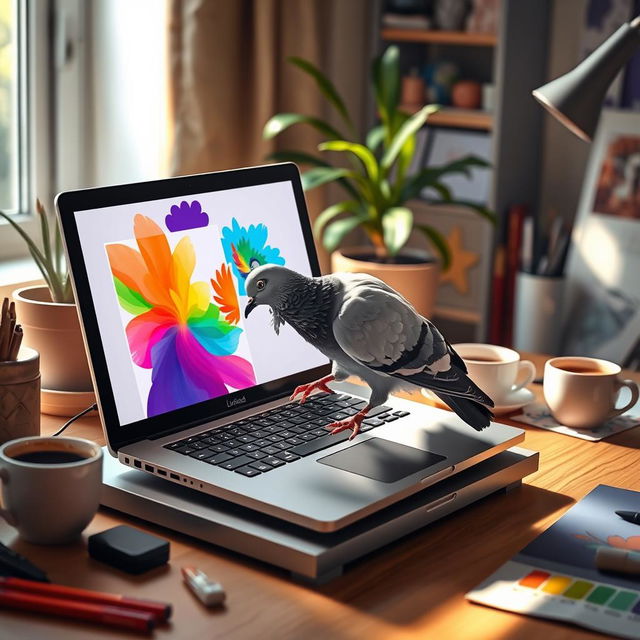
x,y
381,330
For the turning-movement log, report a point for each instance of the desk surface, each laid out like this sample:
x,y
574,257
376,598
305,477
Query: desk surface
x,y
412,589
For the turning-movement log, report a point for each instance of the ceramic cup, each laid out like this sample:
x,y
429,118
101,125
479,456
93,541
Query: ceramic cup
x,y
50,487
582,393
498,371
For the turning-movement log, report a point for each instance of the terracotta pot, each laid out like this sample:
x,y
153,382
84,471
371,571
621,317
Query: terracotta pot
x,y
417,282
53,329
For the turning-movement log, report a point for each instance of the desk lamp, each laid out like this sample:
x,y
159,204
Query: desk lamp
x,y
576,98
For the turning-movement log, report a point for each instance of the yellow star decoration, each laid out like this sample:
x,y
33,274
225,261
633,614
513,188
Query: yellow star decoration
x,y
461,260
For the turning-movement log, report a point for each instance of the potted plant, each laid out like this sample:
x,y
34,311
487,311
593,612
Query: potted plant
x,y
378,185
50,320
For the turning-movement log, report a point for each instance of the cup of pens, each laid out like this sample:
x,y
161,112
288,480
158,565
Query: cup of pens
x,y
19,380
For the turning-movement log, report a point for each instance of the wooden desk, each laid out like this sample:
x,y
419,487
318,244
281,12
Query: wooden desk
x,y
412,589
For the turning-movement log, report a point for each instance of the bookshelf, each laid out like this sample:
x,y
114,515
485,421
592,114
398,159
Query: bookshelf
x,y
514,61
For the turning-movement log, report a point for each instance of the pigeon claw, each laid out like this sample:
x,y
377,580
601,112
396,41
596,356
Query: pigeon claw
x,y
307,389
353,423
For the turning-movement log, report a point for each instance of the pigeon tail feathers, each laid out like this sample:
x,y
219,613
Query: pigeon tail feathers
x,y
473,413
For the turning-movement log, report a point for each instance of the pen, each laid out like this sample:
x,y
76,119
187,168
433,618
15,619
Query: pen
x,y
160,611
109,615
629,516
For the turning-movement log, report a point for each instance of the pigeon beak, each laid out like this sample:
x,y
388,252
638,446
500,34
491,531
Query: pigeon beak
x,y
251,303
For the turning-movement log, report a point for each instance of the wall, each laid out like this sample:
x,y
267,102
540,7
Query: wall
x,y
128,72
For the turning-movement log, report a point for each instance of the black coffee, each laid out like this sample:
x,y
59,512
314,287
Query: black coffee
x,y
49,457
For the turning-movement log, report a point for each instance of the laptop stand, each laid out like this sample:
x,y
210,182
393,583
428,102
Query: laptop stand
x,y
308,555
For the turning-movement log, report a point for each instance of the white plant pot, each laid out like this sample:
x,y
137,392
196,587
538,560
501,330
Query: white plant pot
x,y
417,281
53,330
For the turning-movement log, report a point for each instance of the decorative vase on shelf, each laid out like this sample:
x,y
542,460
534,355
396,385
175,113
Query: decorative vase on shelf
x,y
451,15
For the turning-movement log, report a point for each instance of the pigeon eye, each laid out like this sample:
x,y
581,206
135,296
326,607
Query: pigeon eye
x,y
260,284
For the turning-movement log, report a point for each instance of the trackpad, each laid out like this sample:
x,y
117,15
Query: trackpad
x,y
382,460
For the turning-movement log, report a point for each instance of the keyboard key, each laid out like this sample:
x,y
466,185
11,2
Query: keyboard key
x,y
390,418
201,455
298,430
350,411
234,453
273,429
297,420
261,433
191,440
262,442
320,443
287,456
198,445
273,462
263,422
378,410
233,443
231,465
270,450
256,455
319,432
282,445
238,431
246,439
373,422
261,466
308,436
220,458
274,438
249,447
212,440
174,445
186,450
248,471
218,448
286,434
294,441
401,414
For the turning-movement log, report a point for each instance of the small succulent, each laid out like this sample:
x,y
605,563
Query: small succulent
x,y
50,257
377,178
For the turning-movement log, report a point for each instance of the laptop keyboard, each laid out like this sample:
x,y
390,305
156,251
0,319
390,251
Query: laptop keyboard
x,y
282,435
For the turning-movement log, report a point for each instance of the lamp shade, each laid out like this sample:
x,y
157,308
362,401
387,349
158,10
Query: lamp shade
x,y
576,98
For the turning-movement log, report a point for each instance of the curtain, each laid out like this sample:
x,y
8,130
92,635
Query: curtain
x,y
229,75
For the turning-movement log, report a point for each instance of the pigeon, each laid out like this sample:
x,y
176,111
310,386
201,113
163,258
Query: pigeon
x,y
369,330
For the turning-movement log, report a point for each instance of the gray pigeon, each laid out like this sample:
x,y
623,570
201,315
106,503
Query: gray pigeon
x,y
368,330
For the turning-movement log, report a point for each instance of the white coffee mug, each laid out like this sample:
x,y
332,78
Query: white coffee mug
x,y
50,487
582,392
498,371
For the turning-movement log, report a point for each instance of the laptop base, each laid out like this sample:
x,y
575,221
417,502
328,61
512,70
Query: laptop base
x,y
306,554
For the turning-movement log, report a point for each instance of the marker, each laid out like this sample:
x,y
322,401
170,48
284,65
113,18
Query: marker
x,y
629,516
160,611
210,593
618,560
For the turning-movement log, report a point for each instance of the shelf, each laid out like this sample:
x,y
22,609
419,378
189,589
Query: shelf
x,y
453,117
459,315
440,37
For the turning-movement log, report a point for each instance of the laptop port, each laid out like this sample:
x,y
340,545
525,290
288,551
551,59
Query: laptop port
x,y
174,476
148,467
162,472
138,464
126,460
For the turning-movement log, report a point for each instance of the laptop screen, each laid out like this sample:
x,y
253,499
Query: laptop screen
x,y
167,279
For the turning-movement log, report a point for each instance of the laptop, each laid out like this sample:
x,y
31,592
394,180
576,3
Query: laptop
x,y
190,390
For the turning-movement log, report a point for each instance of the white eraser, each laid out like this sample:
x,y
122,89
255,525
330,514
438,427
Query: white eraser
x,y
210,593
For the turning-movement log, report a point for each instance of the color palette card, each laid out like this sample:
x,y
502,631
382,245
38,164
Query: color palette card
x,y
556,576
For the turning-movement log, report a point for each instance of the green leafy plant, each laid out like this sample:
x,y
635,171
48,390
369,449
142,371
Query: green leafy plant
x,y
377,179
50,257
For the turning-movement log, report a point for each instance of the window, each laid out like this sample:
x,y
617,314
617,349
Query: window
x,y
24,117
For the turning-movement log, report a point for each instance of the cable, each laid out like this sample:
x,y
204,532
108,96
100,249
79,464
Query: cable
x,y
93,407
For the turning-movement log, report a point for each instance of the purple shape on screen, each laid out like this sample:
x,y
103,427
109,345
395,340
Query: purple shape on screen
x,y
186,216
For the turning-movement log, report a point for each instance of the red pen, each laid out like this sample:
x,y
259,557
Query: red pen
x,y
109,615
161,611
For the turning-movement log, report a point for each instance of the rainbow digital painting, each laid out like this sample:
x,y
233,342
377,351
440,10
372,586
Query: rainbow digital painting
x,y
178,332
247,248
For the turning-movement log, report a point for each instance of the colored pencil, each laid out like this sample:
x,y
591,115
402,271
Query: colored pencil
x,y
108,615
160,611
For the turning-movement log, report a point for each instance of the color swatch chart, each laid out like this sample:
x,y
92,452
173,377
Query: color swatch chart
x,y
556,577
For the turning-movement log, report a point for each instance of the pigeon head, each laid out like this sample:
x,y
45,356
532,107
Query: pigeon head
x,y
268,285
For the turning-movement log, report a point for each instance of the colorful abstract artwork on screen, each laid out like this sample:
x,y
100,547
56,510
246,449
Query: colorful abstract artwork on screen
x,y
246,248
181,307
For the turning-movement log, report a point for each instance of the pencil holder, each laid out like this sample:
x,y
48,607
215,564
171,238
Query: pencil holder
x,y
20,396
537,313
